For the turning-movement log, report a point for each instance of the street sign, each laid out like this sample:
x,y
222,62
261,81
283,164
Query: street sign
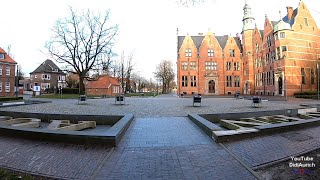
x,y
36,88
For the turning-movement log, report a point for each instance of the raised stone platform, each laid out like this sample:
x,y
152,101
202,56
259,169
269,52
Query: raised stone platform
x,y
244,125
118,126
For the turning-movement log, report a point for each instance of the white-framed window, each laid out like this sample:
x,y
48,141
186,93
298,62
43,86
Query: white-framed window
x,y
193,80
282,35
184,81
46,76
1,56
7,86
35,76
231,52
228,66
306,22
8,70
184,66
193,65
61,78
284,48
210,53
116,89
0,86
236,66
188,53
236,81
257,47
229,81
1,69
211,65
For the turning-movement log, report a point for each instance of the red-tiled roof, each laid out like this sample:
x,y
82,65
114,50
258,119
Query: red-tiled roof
x,y
104,81
7,58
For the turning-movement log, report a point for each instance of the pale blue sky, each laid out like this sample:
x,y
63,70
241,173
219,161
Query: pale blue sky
x,y
146,26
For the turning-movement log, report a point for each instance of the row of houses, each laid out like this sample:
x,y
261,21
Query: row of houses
x,y
49,76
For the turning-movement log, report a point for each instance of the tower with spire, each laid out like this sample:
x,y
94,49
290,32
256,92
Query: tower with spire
x,y
247,36
248,19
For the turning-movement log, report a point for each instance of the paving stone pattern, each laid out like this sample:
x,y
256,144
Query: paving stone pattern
x,y
170,148
51,159
164,105
265,149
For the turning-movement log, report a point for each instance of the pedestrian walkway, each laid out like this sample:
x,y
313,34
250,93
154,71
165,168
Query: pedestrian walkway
x,y
263,150
170,148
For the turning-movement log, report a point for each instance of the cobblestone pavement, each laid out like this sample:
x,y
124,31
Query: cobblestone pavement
x,y
164,105
51,159
170,148
262,150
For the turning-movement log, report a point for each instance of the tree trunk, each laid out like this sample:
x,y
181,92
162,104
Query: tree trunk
x,y
82,88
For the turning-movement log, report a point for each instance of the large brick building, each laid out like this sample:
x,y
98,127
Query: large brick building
x,y
279,60
7,74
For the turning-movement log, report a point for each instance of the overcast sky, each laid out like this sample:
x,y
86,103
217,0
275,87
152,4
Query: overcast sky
x,y
147,27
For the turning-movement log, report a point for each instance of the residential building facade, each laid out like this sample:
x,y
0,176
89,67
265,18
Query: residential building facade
x,y
279,60
104,85
48,76
7,74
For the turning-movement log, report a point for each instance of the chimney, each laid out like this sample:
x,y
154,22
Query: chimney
x,y
290,12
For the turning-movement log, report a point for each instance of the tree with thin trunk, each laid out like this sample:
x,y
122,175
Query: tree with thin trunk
x,y
82,41
166,74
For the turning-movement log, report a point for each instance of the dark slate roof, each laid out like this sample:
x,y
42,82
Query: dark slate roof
x,y
294,14
180,41
222,40
238,41
48,66
197,40
274,23
261,33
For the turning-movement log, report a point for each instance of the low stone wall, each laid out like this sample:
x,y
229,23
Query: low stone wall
x,y
206,123
119,125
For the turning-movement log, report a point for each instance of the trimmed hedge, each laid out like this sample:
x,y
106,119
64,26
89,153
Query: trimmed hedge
x,y
306,95
2,99
70,91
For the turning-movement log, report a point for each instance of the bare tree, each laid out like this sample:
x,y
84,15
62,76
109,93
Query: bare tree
x,y
125,69
166,74
189,3
82,41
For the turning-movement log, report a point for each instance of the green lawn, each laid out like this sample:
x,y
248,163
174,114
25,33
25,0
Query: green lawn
x,y
5,174
76,96
58,96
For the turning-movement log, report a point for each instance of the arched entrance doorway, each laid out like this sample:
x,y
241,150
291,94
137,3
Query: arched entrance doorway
x,y
212,85
280,85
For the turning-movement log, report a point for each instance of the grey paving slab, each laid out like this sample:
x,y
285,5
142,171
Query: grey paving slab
x,y
259,151
51,159
170,148
165,105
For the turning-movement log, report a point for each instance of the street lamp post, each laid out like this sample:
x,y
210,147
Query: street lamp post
x,y
318,78
17,81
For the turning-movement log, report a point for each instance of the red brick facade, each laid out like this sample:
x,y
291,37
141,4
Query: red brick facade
x,y
279,60
7,74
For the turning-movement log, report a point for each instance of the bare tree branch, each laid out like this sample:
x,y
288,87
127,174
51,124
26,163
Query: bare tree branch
x,y
82,41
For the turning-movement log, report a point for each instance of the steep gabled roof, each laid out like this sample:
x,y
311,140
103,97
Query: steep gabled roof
x,y
49,67
180,41
103,82
238,41
261,33
222,40
197,40
7,58
273,23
